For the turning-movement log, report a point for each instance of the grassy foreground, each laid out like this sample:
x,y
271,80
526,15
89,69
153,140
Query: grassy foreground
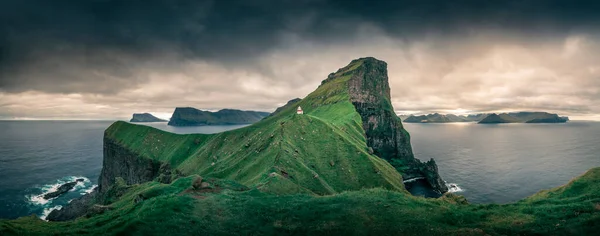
x,y
228,208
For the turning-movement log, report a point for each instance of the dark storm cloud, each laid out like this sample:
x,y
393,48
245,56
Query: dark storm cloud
x,y
101,46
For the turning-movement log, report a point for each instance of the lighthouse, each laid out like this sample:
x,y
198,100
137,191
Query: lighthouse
x,y
299,111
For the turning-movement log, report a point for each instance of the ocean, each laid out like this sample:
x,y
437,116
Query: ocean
x,y
487,163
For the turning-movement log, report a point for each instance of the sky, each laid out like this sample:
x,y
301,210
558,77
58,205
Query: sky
x,y
104,59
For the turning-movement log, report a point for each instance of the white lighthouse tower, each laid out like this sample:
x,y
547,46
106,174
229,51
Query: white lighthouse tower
x,y
299,111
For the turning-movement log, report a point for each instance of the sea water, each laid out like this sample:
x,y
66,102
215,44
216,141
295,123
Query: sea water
x,y
486,163
36,157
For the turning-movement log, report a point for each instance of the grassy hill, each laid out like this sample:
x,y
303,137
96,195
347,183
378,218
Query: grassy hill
x,y
323,151
230,209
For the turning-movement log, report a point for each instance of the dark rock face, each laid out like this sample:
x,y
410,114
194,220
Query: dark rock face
x,y
145,117
370,94
134,169
118,162
76,208
430,170
188,116
62,189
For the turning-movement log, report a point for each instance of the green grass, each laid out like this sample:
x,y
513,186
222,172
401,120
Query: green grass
x,y
321,152
573,209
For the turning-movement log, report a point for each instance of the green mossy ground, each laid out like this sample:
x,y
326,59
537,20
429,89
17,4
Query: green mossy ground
x,y
177,209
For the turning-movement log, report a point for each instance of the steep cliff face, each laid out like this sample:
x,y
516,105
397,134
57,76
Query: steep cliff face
x,y
369,92
121,162
118,162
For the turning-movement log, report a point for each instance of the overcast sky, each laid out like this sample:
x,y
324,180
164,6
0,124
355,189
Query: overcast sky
x,y
107,59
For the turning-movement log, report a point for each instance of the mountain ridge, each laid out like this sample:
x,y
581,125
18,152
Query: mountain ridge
x,y
189,116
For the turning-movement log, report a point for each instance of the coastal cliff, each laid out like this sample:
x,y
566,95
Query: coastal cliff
x,y
369,92
347,139
121,162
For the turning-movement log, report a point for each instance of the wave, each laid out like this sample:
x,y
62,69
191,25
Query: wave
x,y
413,179
453,188
47,211
48,188
89,190
43,207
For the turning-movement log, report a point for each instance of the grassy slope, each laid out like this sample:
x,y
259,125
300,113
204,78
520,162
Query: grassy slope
x,y
323,151
572,209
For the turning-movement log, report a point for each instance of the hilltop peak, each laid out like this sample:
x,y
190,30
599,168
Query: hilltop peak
x,y
364,63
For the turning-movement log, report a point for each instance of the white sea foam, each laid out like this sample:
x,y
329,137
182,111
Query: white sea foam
x,y
413,179
48,210
39,199
453,188
48,188
89,190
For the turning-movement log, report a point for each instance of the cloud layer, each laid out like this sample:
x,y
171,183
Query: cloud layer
x,y
108,59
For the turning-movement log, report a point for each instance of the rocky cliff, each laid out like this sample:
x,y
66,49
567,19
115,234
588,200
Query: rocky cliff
x,y
118,162
349,138
145,117
188,116
369,92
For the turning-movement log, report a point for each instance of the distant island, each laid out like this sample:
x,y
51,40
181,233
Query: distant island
x,y
443,118
188,116
145,117
523,117
485,118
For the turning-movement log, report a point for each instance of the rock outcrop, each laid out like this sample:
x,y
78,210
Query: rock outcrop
x,y
76,208
120,162
369,92
188,116
145,117
62,189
